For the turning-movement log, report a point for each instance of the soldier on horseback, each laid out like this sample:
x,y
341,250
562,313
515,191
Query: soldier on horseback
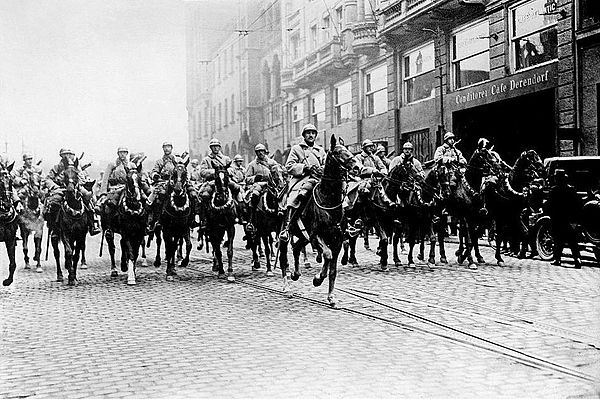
x,y
22,174
258,174
195,177
237,171
215,160
447,154
160,175
382,154
56,191
408,160
114,181
305,166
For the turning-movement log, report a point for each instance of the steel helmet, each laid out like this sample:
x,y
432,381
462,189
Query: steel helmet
x,y
122,149
167,143
195,161
27,156
367,143
238,157
260,147
483,143
65,151
449,135
308,127
380,148
407,145
214,141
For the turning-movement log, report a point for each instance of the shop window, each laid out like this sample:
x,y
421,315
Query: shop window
x,y
589,13
317,109
342,96
534,34
419,74
376,90
471,55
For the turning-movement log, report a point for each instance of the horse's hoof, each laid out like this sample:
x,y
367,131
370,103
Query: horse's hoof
x,y
114,273
480,260
255,265
144,262
295,276
59,279
157,263
403,251
124,267
457,253
270,273
420,257
184,263
287,291
170,278
7,282
460,260
333,303
131,281
353,261
431,262
443,260
71,283
307,265
384,267
473,266
27,266
83,266
344,261
231,279
317,280
39,269
501,263
222,275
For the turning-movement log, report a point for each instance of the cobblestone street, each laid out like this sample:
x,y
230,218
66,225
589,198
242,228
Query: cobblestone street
x,y
527,330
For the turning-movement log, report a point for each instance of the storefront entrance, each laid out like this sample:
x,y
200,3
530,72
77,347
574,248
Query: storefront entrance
x,y
512,126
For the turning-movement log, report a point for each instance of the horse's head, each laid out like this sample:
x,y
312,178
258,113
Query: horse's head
x,y
71,178
133,181
6,187
276,173
339,159
34,191
179,178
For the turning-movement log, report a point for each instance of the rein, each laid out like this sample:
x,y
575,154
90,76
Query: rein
x,y
325,208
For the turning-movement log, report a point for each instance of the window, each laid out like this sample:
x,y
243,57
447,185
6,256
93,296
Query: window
x,y
317,108
376,90
295,44
225,113
313,37
297,116
206,117
325,28
233,108
534,35
268,115
339,15
589,13
419,74
342,99
219,120
471,55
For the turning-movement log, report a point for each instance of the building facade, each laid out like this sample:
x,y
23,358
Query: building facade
x,y
522,73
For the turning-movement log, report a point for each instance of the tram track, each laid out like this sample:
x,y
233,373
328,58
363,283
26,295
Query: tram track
x,y
437,329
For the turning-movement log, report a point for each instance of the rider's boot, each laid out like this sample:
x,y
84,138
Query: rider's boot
x,y
202,215
94,224
284,234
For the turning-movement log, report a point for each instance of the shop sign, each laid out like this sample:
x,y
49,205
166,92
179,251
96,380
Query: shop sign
x,y
513,86
534,15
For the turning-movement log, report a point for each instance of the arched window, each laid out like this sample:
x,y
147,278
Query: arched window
x,y
266,74
227,150
233,149
276,73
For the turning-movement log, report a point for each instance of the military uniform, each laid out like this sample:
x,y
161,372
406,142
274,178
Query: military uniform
x,y
447,154
238,174
414,162
195,177
302,181
21,177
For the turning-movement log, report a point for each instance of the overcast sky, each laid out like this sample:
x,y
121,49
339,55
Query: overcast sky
x,y
92,75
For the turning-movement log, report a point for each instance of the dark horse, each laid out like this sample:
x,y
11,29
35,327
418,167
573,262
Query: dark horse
x,y
220,219
70,224
267,218
31,220
176,218
323,218
416,199
128,219
8,220
373,208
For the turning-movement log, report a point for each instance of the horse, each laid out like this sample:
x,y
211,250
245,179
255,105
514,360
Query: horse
x,y
416,201
8,220
70,225
220,219
371,209
31,220
128,219
267,219
321,222
176,218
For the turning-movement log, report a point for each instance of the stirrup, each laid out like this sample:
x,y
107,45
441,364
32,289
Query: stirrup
x,y
250,227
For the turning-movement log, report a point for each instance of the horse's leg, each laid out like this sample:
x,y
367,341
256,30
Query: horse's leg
x,y
37,241
477,231
395,240
500,233
265,240
305,258
320,244
179,248
382,247
366,237
11,244
124,254
254,240
431,233
200,240
83,261
260,249
142,249
411,239
297,248
130,249
188,248
25,238
345,247
54,239
170,249
110,243
215,242
230,237
283,264
332,276
470,238
439,228
157,234
352,259
67,245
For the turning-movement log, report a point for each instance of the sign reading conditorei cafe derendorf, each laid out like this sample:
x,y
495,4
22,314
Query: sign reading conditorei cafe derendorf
x,y
521,83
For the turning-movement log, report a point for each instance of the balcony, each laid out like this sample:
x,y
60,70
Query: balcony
x,y
287,79
321,66
365,38
399,11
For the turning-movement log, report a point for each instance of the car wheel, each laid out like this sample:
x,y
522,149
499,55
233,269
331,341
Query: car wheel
x,y
543,241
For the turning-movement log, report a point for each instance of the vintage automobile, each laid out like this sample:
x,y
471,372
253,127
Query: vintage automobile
x,y
584,174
